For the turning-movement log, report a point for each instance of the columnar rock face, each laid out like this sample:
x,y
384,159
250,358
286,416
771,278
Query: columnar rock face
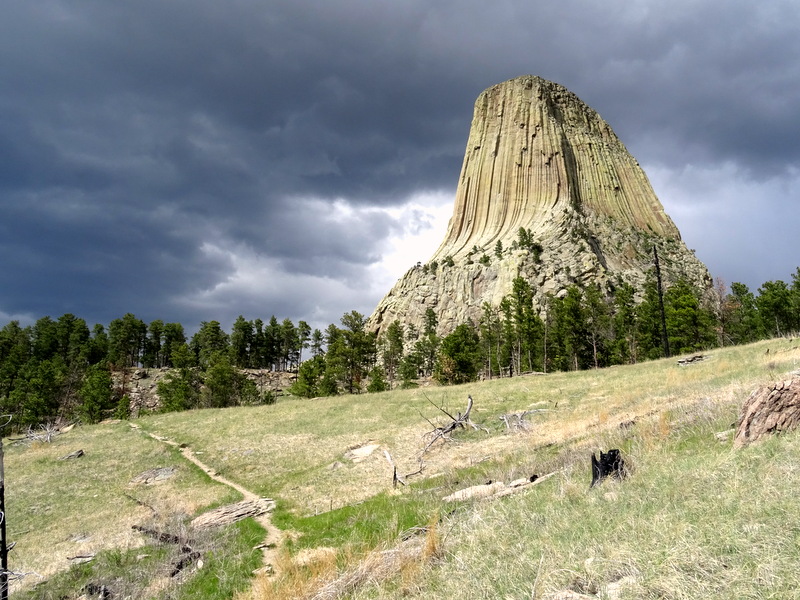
x,y
541,160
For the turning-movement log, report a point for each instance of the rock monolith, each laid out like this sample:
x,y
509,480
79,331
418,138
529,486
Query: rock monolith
x,y
548,192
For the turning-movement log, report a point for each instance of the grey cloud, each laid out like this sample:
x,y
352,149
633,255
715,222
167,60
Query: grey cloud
x,y
132,132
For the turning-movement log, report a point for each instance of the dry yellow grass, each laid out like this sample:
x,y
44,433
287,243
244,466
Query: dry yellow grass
x,y
297,450
58,509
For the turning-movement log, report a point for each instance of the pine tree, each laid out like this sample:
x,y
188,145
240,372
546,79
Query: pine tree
x,y
174,337
598,324
209,340
689,325
127,338
180,389
377,380
152,348
774,303
392,343
427,345
743,324
490,328
95,394
224,385
459,356
624,348
38,393
309,377
648,318
242,342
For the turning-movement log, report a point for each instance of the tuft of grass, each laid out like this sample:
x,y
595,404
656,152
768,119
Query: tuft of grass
x,y
228,566
227,560
62,508
359,527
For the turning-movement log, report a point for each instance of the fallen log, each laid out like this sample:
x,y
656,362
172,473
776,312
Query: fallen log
x,y
164,538
184,561
496,489
231,513
692,359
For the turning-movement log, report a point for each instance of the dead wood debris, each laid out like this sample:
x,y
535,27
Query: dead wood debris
x,y
442,432
497,489
44,433
610,464
231,513
164,538
396,477
76,454
516,421
97,590
188,554
693,359
377,566
154,475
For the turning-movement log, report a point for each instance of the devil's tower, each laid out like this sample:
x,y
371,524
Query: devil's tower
x,y
540,160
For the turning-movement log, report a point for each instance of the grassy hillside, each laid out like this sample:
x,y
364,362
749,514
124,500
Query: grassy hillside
x,y
694,519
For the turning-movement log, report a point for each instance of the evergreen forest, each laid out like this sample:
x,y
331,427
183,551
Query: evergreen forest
x,y
60,370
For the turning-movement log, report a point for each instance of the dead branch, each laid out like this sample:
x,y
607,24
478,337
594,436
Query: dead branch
x,y
184,561
164,538
517,420
460,421
141,503
396,477
45,433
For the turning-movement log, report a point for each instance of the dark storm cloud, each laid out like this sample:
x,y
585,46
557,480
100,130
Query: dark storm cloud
x,y
147,147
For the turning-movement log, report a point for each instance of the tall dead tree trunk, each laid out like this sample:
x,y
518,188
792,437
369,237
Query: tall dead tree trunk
x,y
664,336
3,539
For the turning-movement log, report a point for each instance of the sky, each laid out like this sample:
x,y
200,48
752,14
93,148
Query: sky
x,y
196,160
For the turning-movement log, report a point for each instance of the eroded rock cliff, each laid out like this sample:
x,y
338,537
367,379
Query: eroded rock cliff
x,y
541,160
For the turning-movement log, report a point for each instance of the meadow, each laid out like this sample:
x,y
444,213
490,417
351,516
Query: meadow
x,y
694,518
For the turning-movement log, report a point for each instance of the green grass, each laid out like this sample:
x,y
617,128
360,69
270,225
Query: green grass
x,y
228,567
62,508
228,560
378,520
695,519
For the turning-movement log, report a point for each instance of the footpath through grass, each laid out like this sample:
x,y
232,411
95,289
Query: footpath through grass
x,y
695,519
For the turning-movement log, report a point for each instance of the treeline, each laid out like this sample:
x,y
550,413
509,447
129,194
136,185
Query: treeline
x,y
60,369
579,329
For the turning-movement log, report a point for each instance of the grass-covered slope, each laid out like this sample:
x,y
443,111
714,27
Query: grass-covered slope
x,y
694,519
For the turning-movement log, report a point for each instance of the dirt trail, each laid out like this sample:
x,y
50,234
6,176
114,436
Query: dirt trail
x,y
274,537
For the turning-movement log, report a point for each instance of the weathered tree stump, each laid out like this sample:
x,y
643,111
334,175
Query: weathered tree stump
x,y
771,409
609,465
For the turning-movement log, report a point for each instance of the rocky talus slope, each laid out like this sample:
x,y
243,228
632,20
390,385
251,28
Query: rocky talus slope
x,y
539,159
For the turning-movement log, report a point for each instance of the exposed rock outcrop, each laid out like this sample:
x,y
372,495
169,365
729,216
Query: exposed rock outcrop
x,y
769,410
141,385
541,160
